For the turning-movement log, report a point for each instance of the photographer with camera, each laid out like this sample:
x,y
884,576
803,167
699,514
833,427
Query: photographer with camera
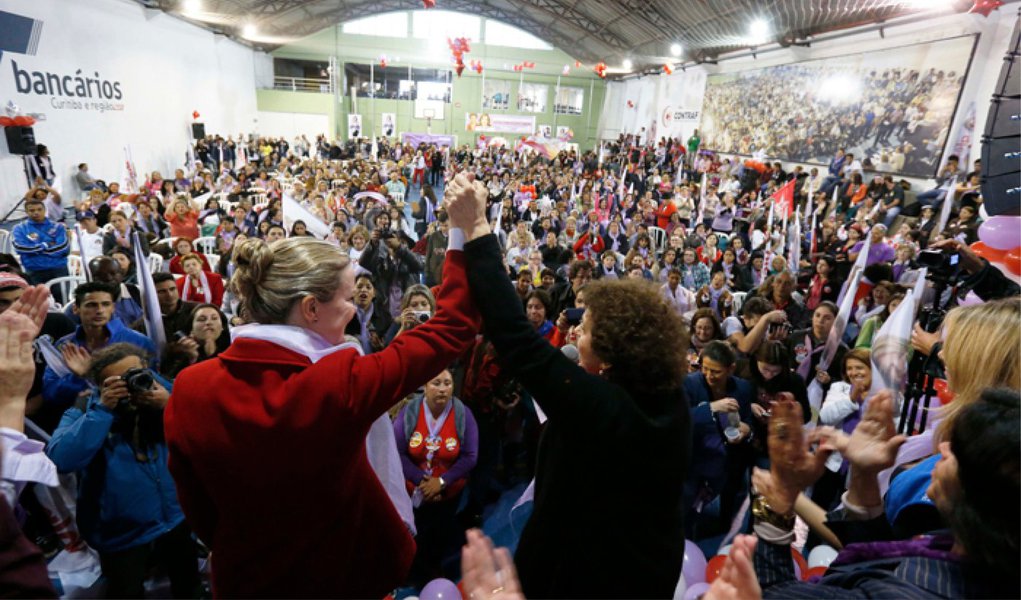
x,y
417,306
393,265
127,502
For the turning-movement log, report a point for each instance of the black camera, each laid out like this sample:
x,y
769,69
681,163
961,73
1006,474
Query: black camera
x,y
941,265
138,381
785,327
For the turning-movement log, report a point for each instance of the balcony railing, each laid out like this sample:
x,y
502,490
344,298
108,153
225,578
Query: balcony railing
x,y
303,84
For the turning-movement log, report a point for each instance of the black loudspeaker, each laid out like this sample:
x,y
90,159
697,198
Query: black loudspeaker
x,y
1001,142
198,131
20,140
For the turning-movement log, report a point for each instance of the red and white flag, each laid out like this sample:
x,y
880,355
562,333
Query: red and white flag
x,y
784,199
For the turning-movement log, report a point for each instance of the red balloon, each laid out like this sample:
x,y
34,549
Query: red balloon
x,y
714,567
943,392
460,588
987,252
6,121
1013,260
194,114
429,3
984,7
815,572
798,558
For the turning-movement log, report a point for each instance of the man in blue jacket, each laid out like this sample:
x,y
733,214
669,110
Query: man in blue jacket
x,y
42,245
721,411
127,502
94,303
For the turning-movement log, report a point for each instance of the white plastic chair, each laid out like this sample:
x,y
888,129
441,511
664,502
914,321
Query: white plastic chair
x,y
155,262
5,241
397,198
205,245
738,301
75,266
214,261
66,287
658,239
168,242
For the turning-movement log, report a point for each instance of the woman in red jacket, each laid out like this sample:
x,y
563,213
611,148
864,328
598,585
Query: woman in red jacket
x,y
199,285
184,247
270,442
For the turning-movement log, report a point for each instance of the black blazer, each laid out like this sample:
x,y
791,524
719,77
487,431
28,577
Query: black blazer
x,y
611,464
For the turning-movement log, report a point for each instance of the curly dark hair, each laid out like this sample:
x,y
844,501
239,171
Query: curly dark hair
x,y
637,334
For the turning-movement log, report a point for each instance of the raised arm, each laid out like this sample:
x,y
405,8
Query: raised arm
x,y
555,382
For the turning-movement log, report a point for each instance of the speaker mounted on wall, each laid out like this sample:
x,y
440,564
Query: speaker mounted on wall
x,y
1001,142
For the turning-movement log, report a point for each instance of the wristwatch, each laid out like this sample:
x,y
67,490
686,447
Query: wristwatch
x,y
763,512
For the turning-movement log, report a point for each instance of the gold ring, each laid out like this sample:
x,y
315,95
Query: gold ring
x,y
496,591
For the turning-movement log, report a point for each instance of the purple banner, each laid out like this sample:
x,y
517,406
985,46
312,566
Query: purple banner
x,y
414,139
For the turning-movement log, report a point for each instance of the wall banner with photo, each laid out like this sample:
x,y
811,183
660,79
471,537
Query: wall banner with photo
x,y
354,126
545,131
389,128
498,123
496,94
892,108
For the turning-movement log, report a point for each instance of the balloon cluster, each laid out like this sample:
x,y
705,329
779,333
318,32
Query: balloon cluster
x,y
699,573
476,65
668,69
1000,244
14,118
458,48
566,70
984,7
524,65
383,61
600,70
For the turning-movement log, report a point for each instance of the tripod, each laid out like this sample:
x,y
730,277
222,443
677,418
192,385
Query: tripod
x,y
923,371
17,205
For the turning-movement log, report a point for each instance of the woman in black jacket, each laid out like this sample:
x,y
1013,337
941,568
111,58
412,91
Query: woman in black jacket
x,y
770,372
614,455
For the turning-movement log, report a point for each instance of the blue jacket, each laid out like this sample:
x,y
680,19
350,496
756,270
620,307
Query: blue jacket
x,y
64,390
42,246
122,502
709,449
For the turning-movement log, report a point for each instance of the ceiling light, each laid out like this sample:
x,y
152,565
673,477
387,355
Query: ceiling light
x,y
249,31
675,49
758,31
626,64
191,6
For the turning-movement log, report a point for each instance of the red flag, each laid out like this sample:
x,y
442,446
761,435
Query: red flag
x,y
784,199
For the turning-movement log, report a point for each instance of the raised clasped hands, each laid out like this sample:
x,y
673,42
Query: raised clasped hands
x,y
465,201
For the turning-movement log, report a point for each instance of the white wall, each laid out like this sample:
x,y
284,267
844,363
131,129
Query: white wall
x,y
166,69
994,36
291,125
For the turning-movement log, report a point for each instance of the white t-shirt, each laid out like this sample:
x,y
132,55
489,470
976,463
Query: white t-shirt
x,y
92,244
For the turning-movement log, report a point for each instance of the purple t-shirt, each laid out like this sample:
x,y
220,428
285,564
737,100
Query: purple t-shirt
x,y
877,253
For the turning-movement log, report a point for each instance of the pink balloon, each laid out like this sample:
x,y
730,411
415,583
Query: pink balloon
x,y
1001,232
695,591
694,563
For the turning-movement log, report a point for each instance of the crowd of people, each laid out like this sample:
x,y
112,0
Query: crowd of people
x,y
361,346
899,118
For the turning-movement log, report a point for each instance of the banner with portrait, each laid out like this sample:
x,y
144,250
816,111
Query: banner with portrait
x,y
892,108
498,123
354,126
389,128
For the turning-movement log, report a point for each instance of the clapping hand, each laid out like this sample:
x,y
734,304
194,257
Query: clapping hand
x,y
17,366
488,572
872,446
76,358
794,465
737,580
33,304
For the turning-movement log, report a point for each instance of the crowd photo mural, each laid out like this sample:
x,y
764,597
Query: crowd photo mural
x,y
893,108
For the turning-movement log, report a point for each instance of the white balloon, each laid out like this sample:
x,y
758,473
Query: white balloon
x,y
821,556
724,550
